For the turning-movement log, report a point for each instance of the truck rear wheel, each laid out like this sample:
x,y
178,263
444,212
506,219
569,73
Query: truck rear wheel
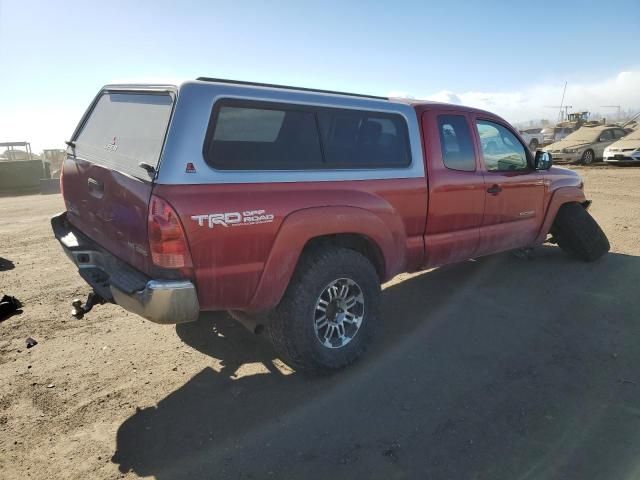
x,y
578,234
329,313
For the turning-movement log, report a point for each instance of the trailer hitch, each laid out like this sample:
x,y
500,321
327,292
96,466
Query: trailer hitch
x,y
79,309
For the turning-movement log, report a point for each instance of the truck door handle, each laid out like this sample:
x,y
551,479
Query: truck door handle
x,y
96,188
494,189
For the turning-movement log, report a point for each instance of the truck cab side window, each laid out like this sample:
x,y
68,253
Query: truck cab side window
x,y
501,150
455,143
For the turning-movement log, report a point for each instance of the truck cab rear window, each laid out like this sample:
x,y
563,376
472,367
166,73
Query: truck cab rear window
x,y
245,135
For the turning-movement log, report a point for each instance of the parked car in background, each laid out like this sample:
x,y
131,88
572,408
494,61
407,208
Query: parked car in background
x,y
554,134
625,151
533,137
586,145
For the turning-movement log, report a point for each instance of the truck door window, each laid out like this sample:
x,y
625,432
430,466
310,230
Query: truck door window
x,y
455,143
501,150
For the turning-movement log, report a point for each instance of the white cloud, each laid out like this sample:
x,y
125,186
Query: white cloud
x,y
530,103
445,96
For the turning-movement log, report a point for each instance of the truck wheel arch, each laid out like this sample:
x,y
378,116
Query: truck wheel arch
x,y
352,241
561,196
352,227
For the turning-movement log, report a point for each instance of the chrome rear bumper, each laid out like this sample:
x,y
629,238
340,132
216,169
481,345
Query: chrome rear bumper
x,y
161,301
158,300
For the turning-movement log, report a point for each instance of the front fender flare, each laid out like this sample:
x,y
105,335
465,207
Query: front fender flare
x,y
561,196
386,231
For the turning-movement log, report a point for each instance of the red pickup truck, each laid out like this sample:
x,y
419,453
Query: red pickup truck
x,y
288,207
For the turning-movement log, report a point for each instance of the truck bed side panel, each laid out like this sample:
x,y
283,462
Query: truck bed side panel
x,y
229,260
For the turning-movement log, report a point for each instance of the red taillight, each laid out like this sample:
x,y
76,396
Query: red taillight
x,y
167,242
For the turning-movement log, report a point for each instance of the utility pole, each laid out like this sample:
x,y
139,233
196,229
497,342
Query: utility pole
x,y
564,110
564,90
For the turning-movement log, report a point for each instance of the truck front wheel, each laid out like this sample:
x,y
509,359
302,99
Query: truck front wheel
x,y
578,234
330,311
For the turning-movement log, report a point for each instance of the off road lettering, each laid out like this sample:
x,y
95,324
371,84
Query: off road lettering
x,y
231,219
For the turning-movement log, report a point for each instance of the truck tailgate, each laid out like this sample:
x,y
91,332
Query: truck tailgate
x,y
106,191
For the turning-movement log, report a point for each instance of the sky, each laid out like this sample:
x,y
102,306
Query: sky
x,y
509,57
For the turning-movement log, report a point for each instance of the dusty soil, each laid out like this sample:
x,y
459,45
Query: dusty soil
x,y
500,368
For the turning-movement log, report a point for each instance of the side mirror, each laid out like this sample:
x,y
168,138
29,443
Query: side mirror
x,y
543,160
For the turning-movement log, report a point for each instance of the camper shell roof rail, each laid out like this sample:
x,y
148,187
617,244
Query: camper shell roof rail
x,y
286,87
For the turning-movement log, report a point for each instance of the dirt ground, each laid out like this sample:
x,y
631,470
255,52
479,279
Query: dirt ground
x,y
500,368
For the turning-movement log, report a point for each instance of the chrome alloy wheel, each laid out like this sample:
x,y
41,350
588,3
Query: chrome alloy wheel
x,y
339,312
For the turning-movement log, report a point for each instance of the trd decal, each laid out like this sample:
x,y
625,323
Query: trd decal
x,y
233,219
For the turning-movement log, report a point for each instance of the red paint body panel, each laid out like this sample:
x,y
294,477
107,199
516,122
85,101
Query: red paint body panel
x,y
513,217
558,197
456,200
110,208
230,262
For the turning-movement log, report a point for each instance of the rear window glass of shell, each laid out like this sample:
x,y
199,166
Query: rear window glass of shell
x,y
125,129
248,135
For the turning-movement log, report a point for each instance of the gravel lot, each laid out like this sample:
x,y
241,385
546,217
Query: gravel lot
x,y
500,368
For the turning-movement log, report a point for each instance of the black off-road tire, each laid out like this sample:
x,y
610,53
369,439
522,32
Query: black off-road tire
x,y
578,234
291,323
